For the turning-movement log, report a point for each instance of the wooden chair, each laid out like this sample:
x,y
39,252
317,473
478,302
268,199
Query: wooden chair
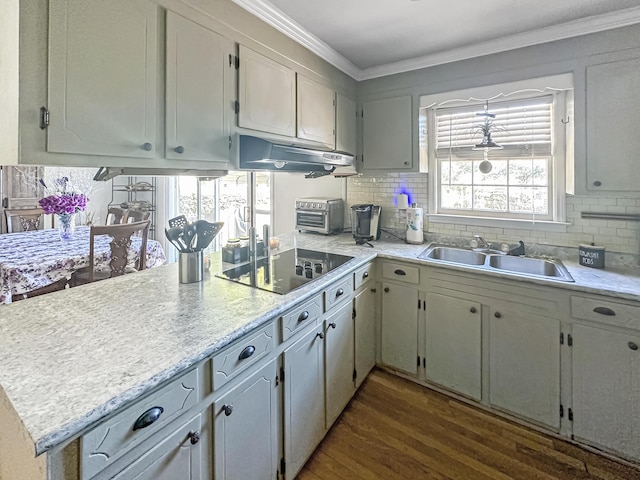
x,y
121,240
116,216
54,287
137,216
28,218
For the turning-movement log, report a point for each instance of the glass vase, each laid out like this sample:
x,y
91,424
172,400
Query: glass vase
x,y
66,225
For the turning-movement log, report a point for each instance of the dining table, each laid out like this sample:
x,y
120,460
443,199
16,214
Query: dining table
x,y
37,258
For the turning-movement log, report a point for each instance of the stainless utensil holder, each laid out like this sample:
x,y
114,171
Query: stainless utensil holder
x,y
191,266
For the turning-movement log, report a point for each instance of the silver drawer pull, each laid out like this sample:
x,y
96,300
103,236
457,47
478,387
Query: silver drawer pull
x,y
247,352
339,292
605,311
147,418
303,316
365,275
633,345
400,272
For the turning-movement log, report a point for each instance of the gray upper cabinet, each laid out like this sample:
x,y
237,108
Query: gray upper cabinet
x,y
102,77
346,128
387,134
198,82
316,112
613,143
267,94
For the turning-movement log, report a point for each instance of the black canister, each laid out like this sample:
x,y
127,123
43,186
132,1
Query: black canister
x,y
591,256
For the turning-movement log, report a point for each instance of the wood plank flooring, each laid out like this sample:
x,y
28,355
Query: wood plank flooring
x,y
394,429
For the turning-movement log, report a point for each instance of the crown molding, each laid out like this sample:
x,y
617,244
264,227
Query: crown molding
x,y
596,23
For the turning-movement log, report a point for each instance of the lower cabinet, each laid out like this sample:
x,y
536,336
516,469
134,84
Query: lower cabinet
x,y
178,456
524,363
453,343
399,343
364,305
606,389
245,428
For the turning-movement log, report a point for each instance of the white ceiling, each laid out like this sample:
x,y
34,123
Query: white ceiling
x,y
372,38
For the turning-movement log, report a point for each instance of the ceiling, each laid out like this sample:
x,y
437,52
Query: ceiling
x,y
372,38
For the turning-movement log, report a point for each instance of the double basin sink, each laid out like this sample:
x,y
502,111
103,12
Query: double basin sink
x,y
496,261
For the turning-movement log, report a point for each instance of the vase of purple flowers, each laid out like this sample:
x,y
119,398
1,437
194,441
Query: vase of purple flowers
x,y
64,203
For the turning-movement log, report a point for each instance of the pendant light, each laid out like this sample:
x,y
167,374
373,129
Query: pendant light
x,y
486,128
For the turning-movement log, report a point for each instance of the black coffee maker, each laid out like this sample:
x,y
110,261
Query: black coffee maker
x,y
365,222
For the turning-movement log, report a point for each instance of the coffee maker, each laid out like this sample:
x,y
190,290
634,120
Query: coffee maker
x,y
365,222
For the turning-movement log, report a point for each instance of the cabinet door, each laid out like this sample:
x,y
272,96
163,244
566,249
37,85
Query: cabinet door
x,y
524,363
316,112
386,134
400,327
102,77
345,124
267,94
198,78
365,325
606,389
304,402
453,344
339,362
178,456
613,102
246,428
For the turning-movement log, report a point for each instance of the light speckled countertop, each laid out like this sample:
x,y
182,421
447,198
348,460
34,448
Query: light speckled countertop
x,y
68,359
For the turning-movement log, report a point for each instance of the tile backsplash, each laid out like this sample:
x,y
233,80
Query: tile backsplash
x,y
616,235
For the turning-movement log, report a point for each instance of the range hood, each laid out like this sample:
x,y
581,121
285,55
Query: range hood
x,y
253,153
107,173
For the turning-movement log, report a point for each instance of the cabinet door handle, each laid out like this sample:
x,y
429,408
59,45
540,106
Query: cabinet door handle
x,y
605,311
227,409
147,146
473,310
147,418
633,345
400,272
247,352
179,149
373,290
365,275
339,292
497,314
320,335
194,437
597,183
386,289
332,325
303,316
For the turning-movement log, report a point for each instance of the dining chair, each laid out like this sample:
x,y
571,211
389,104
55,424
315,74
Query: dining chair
x,y
54,287
137,216
26,218
116,216
120,242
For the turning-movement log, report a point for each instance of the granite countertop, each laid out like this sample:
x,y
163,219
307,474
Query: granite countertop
x,y
70,358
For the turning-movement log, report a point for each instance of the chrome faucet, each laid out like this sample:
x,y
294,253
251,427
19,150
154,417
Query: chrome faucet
x,y
480,242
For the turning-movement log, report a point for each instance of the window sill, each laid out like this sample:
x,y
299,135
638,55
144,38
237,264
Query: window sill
x,y
538,225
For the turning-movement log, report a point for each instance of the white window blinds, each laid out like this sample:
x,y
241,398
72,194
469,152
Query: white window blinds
x,y
522,127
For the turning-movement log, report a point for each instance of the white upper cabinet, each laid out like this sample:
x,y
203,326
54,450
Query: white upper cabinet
x,y
316,112
346,128
197,83
613,102
267,94
386,134
102,77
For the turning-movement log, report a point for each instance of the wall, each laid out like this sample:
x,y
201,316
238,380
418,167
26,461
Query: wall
x,y
571,55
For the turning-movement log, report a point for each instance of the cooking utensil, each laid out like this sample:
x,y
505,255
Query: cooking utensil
x,y
179,221
175,236
189,236
206,232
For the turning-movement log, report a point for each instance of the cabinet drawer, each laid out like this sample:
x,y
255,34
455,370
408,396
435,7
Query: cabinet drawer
x,y
604,311
243,353
362,276
342,290
104,444
301,316
401,272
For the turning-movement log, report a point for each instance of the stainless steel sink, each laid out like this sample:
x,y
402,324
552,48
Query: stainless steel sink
x,y
454,255
491,260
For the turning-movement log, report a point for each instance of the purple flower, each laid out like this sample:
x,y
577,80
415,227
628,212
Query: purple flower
x,y
64,203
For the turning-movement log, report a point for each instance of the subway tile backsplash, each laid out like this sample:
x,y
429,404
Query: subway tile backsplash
x,y
616,235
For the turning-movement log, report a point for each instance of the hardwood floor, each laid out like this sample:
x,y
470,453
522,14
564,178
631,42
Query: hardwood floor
x,y
394,429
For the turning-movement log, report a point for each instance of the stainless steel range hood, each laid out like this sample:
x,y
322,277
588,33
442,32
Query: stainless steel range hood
x,y
253,153
107,173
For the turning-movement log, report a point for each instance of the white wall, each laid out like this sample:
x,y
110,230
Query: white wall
x,y
286,187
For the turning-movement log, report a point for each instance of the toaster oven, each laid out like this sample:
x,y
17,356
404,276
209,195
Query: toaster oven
x,y
318,214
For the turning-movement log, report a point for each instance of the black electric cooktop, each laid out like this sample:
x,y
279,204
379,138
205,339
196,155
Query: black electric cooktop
x,y
285,271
